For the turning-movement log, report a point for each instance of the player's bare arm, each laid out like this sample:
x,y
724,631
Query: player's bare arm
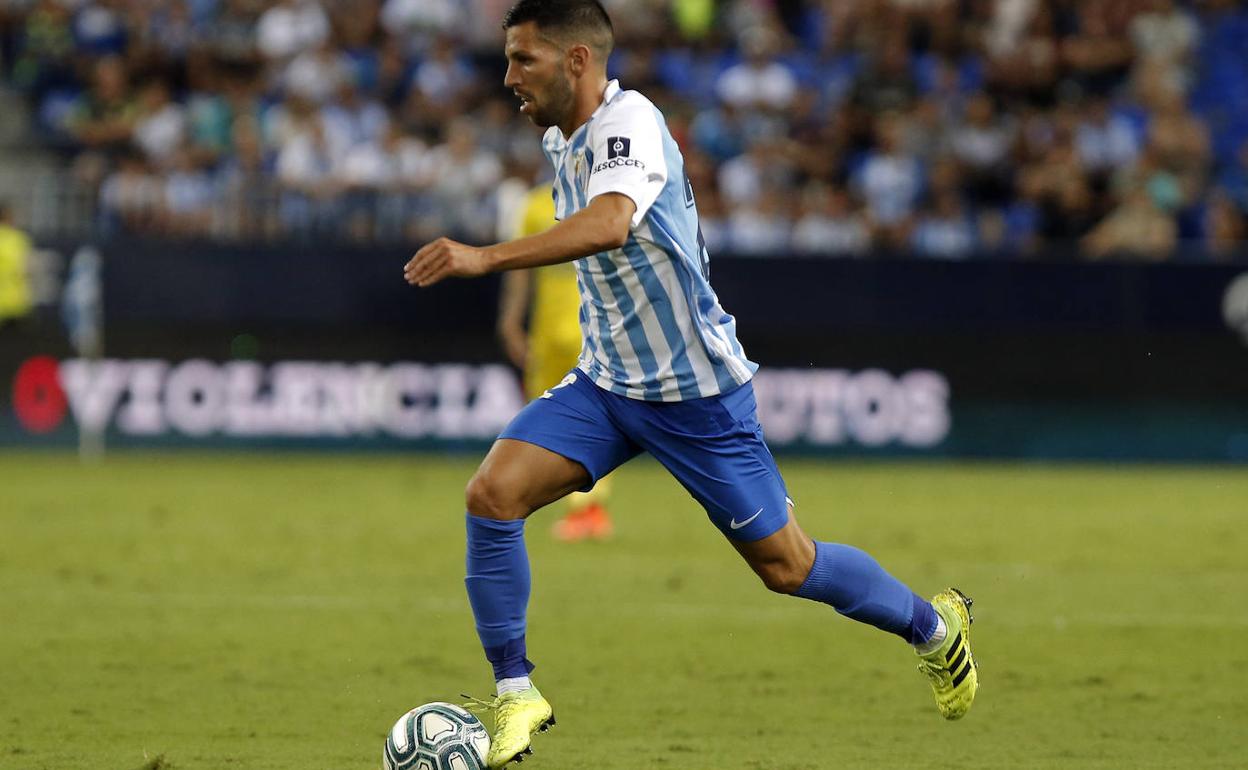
x,y
513,309
600,226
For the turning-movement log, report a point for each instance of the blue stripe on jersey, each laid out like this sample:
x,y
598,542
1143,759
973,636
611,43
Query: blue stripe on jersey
x,y
563,197
604,329
632,326
723,375
589,348
682,368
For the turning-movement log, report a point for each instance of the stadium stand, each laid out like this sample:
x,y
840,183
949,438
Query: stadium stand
x,y
938,128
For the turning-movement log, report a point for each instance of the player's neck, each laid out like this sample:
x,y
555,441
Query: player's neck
x,y
589,97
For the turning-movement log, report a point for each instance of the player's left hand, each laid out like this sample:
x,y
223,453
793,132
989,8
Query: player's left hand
x,y
444,258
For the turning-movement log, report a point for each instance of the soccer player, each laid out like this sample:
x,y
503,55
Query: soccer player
x,y
550,348
661,372
15,248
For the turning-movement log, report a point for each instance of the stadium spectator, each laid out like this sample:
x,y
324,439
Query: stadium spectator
x,y
1023,58
291,27
305,175
160,124
829,225
1105,141
760,82
1223,227
243,193
890,181
233,35
1166,33
189,196
443,81
945,230
718,132
44,50
763,227
420,20
462,174
982,144
99,28
103,117
1179,138
741,179
886,83
130,196
352,119
1138,228
1233,178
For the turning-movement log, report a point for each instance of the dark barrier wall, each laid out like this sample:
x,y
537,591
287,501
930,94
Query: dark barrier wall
x,y
1023,359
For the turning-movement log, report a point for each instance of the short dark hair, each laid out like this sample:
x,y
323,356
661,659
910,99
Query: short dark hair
x,y
570,21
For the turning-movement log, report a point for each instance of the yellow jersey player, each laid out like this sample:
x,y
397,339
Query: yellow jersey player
x,y
15,247
550,300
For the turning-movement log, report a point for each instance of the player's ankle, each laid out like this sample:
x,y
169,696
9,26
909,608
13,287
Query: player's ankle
x,y
512,684
935,640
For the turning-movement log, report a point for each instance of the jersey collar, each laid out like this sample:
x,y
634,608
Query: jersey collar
x,y
610,92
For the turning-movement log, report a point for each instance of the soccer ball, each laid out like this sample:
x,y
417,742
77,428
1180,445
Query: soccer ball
x,y
436,736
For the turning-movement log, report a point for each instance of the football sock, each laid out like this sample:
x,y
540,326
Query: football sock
x,y
856,586
498,583
936,639
512,684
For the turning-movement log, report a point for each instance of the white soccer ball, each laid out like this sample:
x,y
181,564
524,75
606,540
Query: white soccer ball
x,y
436,736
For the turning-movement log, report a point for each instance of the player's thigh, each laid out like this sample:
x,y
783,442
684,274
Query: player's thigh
x,y
715,449
561,442
517,477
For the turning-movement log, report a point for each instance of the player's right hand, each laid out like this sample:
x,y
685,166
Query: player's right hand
x,y
444,258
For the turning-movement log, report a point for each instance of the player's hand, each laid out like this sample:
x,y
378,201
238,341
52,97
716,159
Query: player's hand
x,y
444,258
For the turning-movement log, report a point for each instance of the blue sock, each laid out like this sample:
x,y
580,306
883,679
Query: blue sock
x,y
856,586
498,589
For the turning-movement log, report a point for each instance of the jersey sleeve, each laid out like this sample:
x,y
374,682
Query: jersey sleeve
x,y
627,147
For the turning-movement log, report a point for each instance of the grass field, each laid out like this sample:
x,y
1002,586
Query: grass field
x,y
266,611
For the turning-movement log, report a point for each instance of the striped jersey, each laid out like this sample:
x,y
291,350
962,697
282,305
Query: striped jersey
x,y
653,328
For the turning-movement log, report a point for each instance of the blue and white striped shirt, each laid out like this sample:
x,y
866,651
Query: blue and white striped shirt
x,y
653,328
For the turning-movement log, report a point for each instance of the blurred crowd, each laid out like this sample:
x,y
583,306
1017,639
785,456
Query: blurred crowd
x,y
942,128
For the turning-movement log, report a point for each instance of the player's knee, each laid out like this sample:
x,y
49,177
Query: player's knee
x,y
782,576
488,498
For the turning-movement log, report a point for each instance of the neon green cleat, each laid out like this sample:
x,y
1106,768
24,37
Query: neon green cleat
x,y
951,668
517,717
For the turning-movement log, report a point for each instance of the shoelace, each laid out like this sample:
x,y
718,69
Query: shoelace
x,y
933,671
478,706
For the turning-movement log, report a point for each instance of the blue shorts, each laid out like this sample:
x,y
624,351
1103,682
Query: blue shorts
x,y
713,446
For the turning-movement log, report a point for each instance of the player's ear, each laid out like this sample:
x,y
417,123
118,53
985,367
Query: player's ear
x,y
578,59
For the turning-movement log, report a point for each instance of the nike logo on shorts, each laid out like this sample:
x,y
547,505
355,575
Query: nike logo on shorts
x,y
734,524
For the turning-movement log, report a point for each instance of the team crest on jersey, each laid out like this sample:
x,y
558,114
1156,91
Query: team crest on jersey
x,y
618,147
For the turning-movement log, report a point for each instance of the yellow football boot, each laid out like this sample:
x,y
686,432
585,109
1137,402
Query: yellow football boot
x,y
950,668
518,716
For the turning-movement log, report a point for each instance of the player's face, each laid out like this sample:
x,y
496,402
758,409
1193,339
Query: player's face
x,y
537,73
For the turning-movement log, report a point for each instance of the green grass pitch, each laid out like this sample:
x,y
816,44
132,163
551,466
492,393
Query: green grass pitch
x,y
221,611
